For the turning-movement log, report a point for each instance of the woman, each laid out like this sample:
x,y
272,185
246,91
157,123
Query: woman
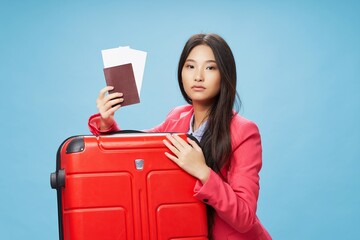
x,y
228,160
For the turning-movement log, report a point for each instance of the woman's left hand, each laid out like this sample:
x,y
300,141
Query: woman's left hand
x,y
188,156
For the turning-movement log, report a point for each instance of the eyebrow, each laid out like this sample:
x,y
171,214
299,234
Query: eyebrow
x,y
207,61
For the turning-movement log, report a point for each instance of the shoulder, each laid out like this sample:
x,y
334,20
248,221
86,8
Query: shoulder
x,y
242,122
177,120
241,129
180,111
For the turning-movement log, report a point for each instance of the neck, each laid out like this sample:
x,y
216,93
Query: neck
x,y
201,114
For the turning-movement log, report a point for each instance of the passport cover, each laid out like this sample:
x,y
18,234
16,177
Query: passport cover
x,y
123,80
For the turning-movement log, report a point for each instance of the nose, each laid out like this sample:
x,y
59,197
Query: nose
x,y
199,76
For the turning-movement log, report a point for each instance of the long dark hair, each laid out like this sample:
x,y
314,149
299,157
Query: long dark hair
x,y
216,141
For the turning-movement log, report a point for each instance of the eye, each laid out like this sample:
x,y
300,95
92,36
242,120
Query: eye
x,y
211,68
189,66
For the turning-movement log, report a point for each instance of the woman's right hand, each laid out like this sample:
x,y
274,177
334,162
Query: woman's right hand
x,y
107,106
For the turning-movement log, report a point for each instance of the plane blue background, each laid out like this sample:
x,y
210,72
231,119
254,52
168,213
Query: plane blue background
x,y
298,76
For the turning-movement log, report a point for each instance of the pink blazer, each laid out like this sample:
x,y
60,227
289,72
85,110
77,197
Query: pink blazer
x,y
235,199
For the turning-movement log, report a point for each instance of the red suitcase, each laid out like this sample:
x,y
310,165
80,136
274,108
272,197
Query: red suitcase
x,y
122,186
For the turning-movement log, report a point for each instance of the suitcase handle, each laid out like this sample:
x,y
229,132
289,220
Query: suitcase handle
x,y
57,179
123,132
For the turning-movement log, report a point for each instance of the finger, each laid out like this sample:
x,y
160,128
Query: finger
x,y
103,104
113,102
171,157
174,141
172,148
113,96
181,141
104,91
113,109
194,144
101,98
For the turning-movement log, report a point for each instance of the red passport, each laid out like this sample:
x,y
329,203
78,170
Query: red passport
x,y
123,80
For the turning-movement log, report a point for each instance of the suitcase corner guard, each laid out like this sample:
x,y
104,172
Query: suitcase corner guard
x,y
76,144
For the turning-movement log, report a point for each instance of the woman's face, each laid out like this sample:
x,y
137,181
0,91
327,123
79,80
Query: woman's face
x,y
201,76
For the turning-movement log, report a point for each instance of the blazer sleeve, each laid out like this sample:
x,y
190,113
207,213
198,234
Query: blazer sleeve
x,y
235,200
94,125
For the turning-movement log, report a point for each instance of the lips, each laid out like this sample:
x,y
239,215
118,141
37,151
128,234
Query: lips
x,y
198,88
